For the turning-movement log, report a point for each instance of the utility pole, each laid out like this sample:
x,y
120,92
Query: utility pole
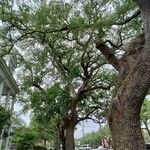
x,y
83,134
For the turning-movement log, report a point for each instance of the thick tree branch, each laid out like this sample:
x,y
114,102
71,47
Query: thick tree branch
x,y
109,55
38,87
95,120
80,92
137,13
87,115
84,66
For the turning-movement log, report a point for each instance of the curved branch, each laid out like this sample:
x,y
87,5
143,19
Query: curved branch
x,y
38,87
109,55
137,13
87,115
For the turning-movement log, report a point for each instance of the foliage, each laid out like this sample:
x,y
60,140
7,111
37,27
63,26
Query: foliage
x,y
94,138
24,138
42,22
45,132
34,136
55,44
145,111
48,104
4,117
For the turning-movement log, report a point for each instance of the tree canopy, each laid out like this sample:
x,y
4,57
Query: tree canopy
x,y
67,54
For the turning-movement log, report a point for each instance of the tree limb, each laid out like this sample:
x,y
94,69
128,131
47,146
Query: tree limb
x,y
38,87
137,13
87,115
109,55
95,120
84,66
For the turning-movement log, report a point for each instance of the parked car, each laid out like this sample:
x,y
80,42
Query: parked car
x,y
85,147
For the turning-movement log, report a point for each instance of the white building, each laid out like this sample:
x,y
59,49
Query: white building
x,y
8,91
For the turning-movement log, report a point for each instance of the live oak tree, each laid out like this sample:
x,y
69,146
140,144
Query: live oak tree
x,y
77,67
113,31
133,85
54,106
71,86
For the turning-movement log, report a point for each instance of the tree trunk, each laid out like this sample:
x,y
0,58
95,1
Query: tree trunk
x,y
124,117
62,137
69,138
57,141
126,128
132,87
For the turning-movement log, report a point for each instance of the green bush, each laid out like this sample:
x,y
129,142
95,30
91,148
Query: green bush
x,y
4,117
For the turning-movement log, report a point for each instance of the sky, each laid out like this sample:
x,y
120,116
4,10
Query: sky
x,y
86,127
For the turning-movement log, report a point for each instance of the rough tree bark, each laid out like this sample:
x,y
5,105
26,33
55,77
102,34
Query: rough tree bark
x,y
62,137
71,123
73,119
70,144
132,87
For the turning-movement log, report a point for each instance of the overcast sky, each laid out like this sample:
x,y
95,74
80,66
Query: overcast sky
x,y
88,126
